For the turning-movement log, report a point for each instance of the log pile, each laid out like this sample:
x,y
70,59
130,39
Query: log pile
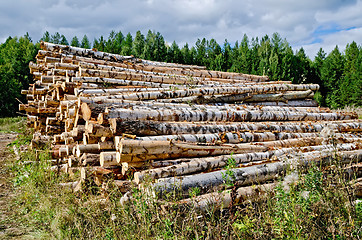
x,y
107,115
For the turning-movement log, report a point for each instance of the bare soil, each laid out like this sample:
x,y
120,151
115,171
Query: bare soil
x,y
9,227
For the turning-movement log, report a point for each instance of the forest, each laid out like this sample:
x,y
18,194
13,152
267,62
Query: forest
x,y
339,73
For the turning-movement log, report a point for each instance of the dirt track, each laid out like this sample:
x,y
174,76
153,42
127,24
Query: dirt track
x,y
9,229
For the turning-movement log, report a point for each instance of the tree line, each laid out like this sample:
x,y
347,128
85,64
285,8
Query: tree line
x,y
338,73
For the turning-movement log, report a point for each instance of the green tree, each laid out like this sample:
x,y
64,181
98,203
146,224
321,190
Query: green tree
x,y
149,46
127,45
331,75
254,56
186,54
227,59
55,38
242,56
264,54
275,58
212,59
138,44
63,40
200,47
288,63
45,37
160,50
174,54
15,55
85,42
75,42
304,71
114,42
351,83
100,44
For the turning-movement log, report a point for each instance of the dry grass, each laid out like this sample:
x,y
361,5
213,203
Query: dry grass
x,y
8,125
319,203
355,109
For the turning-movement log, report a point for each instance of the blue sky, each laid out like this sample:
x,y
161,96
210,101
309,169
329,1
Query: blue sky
x,y
310,24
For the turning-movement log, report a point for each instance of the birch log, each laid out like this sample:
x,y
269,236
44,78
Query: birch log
x,y
205,164
258,89
243,176
226,116
108,159
247,97
146,128
219,200
290,103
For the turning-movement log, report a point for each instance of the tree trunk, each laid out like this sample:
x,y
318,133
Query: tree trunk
x,y
225,116
218,200
242,176
211,163
108,159
89,159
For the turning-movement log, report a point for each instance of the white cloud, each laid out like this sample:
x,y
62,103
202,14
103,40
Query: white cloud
x,y
300,22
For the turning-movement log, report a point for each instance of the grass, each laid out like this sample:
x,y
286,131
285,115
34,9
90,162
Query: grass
x,y
12,125
311,203
355,109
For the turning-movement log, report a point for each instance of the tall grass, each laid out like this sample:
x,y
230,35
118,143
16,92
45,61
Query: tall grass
x,y
9,125
310,203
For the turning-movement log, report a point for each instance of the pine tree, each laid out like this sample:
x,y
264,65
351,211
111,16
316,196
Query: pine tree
x,y
55,38
200,57
100,44
288,63
45,37
351,83
160,50
75,42
127,45
227,62
174,54
331,75
186,54
264,54
114,42
212,59
138,44
85,42
304,71
63,40
148,50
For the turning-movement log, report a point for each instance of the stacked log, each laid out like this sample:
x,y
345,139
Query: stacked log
x,y
111,115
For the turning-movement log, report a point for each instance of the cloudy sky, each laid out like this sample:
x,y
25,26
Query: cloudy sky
x,y
310,24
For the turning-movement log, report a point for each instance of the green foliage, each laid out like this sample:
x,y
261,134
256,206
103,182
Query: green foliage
x,y
138,44
55,38
15,55
338,74
75,42
127,45
9,125
313,205
63,40
85,42
229,175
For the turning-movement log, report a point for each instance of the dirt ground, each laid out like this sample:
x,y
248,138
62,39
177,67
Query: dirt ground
x,y
9,228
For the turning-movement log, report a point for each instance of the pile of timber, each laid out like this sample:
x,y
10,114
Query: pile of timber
x,y
176,125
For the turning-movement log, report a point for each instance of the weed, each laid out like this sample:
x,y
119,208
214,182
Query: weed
x,y
12,125
317,203
229,175
195,191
